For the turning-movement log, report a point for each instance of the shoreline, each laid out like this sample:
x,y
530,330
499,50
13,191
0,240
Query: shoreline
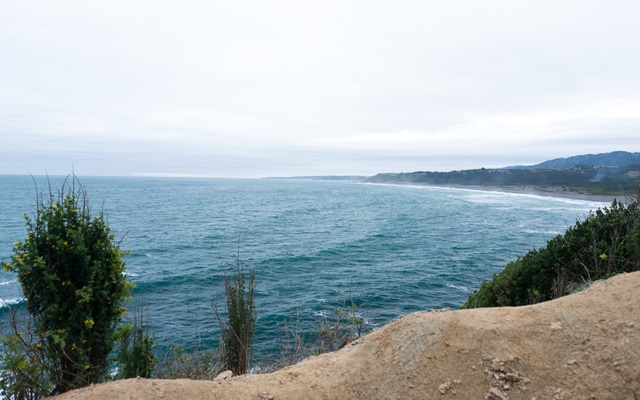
x,y
525,190
547,192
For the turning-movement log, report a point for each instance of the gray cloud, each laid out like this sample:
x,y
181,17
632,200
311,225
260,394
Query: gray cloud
x,y
255,88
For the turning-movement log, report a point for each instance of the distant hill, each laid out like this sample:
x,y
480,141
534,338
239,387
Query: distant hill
x,y
616,173
613,159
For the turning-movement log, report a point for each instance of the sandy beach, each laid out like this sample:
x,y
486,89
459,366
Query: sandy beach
x,y
527,190
551,192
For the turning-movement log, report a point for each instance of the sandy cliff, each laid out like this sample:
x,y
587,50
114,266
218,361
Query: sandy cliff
x,y
583,346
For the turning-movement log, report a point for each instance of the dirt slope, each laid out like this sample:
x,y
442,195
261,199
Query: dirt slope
x,y
584,346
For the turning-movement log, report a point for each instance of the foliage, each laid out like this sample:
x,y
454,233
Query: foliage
x,y
24,372
332,332
135,356
577,178
196,360
606,243
238,330
72,275
335,332
197,364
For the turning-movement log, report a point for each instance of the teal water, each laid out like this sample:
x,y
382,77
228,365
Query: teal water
x,y
393,249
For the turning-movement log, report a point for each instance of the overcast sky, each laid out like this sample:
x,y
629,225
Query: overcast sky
x,y
278,88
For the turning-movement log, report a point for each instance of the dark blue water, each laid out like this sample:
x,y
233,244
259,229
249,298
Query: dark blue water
x,y
393,249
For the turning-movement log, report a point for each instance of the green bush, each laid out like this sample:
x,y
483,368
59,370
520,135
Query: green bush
x,y
606,243
72,276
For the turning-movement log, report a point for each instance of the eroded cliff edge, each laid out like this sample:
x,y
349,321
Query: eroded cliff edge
x,y
582,346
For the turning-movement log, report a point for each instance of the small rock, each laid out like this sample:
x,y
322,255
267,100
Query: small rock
x,y
496,394
556,326
506,387
444,387
473,367
497,365
223,375
512,377
629,327
265,396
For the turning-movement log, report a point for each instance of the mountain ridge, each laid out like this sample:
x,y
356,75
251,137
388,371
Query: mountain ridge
x,y
574,177
611,159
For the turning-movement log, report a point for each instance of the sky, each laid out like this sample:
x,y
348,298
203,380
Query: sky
x,y
262,88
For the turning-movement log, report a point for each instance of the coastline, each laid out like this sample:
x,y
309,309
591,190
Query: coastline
x,y
525,190
546,192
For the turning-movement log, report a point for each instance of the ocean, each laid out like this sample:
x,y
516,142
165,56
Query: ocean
x,y
314,245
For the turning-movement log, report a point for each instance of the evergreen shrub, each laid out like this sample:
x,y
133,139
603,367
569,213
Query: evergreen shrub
x,y
71,272
606,243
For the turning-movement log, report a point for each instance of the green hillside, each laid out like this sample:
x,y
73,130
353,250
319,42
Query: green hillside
x,y
606,243
601,179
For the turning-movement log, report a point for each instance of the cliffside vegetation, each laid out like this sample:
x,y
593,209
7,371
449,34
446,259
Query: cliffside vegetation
x,y
580,178
606,243
72,275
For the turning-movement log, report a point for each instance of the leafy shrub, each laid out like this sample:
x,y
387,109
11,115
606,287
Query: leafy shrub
x,y
606,243
72,275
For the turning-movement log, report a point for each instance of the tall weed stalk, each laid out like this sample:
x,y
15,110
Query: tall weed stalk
x,y
135,356
238,329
